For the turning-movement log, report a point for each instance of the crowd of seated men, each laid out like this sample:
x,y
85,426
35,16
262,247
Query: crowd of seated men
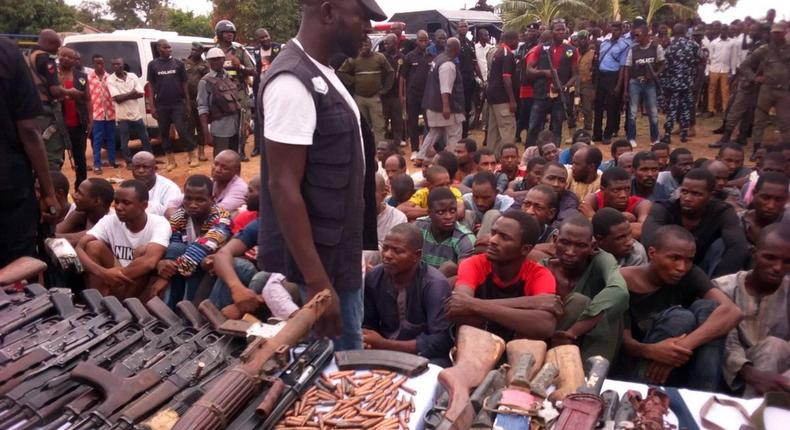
x,y
679,275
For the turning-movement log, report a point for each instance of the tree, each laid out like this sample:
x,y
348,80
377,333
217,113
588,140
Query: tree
x,y
280,17
520,13
93,13
135,13
188,24
652,7
31,16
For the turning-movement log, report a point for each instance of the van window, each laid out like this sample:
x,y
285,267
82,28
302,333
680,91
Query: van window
x,y
180,51
109,50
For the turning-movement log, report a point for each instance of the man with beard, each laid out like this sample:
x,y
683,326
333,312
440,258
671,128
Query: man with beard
x,y
615,192
768,205
680,162
556,177
721,245
757,351
317,154
541,203
585,176
594,292
484,204
404,300
645,174
677,321
465,152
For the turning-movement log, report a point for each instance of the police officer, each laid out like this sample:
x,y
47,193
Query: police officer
x,y
238,65
264,54
196,67
44,72
773,60
217,105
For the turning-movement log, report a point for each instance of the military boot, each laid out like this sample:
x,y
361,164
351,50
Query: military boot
x,y
171,162
192,159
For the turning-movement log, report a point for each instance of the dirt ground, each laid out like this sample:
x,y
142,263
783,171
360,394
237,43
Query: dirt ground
x,y
698,146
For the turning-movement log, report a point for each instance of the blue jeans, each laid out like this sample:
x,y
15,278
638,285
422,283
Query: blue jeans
x,y
181,288
247,272
703,370
638,91
537,117
103,132
351,314
124,127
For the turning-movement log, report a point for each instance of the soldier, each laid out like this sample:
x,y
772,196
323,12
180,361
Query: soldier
x,y
773,60
45,76
238,65
264,54
196,67
391,101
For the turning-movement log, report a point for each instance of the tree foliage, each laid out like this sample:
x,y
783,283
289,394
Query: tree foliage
x,y
189,24
520,13
137,13
280,17
31,16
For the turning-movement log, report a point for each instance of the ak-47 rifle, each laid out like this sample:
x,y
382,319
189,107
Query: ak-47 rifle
x,y
580,410
60,123
39,305
262,359
567,103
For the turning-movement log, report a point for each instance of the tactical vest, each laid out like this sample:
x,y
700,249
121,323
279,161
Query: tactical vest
x,y
540,85
641,58
224,97
433,96
41,83
333,186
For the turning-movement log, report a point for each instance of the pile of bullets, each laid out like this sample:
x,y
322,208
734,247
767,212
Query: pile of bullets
x,y
376,400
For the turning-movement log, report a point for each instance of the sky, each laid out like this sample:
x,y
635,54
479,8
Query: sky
x,y
755,8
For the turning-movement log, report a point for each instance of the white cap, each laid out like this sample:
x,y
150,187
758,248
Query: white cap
x,y
214,53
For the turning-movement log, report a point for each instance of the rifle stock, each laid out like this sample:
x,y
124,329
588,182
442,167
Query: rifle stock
x,y
229,394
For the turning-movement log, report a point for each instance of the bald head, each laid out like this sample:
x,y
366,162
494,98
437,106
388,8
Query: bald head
x,y
227,164
144,157
49,40
144,168
453,47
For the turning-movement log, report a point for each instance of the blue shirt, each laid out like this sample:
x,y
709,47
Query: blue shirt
x,y
565,157
660,191
249,234
501,203
614,55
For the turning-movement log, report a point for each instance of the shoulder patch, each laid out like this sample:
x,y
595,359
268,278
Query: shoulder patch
x,y
319,84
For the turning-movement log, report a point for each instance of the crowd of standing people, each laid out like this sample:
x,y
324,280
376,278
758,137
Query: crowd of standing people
x,y
670,265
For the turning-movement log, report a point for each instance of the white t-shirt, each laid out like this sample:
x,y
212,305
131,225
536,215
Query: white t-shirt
x,y
162,194
128,110
123,242
290,111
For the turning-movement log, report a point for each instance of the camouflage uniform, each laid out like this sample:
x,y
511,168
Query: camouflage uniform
x,y
682,57
195,71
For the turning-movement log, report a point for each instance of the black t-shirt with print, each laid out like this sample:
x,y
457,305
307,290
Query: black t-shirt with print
x,y
502,63
167,78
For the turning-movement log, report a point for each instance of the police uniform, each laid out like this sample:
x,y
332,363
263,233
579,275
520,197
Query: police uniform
x,y
45,74
390,101
773,62
241,82
196,69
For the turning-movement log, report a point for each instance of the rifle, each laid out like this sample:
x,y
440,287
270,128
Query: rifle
x,y
228,395
567,105
20,269
60,124
39,305
211,360
654,77
580,410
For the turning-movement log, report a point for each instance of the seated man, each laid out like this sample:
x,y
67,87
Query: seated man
x,y
676,322
541,203
645,174
229,189
401,188
385,149
504,292
508,161
417,205
612,232
465,152
618,148
486,161
448,160
594,292
120,253
394,165
484,205
721,246
732,155
446,241
773,161
556,177
518,188
585,176
404,300
768,205
626,161
680,162
162,192
200,227
60,183
757,351
251,202
616,193
386,218
661,150
92,201
723,191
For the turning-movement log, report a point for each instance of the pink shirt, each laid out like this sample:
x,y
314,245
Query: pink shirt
x,y
232,196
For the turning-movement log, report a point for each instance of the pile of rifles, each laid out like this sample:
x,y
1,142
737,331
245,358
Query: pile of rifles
x,y
90,362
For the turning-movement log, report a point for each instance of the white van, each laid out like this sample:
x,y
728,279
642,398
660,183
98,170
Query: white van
x,y
137,48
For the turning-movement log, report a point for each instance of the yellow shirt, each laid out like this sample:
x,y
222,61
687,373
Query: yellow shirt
x,y
420,197
581,189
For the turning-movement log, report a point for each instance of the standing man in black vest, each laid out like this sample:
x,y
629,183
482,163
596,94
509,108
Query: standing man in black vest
x,y
443,101
467,63
319,164
416,66
562,57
